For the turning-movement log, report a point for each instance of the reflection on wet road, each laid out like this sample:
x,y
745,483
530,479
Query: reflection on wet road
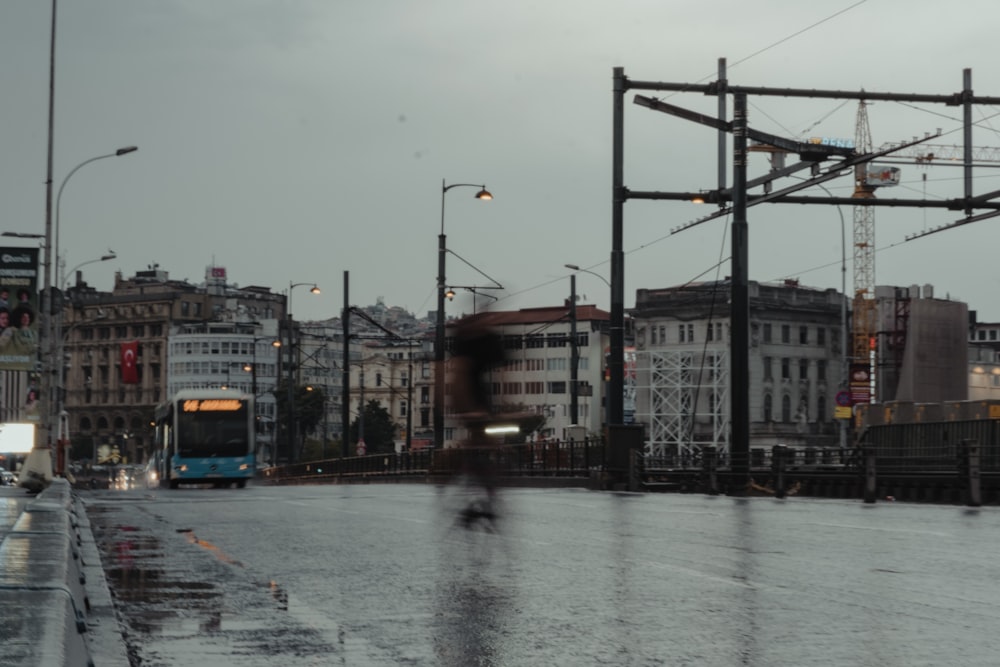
x,y
386,575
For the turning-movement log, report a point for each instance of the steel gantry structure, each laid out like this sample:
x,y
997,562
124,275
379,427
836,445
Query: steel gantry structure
x,y
824,162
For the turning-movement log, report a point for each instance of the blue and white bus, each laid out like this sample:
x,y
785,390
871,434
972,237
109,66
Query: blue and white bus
x,y
205,436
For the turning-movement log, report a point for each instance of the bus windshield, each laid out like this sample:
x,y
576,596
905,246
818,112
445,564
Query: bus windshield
x,y
204,434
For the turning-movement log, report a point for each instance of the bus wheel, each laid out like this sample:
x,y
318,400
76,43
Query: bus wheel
x,y
241,484
174,484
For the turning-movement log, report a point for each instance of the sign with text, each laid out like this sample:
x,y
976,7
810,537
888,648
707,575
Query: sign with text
x,y
18,308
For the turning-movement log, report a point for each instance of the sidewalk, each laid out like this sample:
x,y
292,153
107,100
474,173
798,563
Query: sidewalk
x,y
55,605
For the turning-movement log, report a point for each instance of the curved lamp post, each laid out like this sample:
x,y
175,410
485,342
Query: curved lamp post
x,y
292,367
439,338
574,362
52,335
55,237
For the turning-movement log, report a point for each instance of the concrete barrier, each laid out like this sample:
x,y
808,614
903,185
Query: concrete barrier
x,y
49,573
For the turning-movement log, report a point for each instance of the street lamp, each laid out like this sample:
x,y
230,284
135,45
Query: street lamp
x,y
843,314
60,363
574,395
292,367
439,339
55,237
52,335
574,267
64,280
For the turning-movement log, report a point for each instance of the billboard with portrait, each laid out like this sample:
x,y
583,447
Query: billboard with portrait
x,y
19,304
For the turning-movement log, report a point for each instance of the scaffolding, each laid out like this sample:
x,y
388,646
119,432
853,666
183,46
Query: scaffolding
x,y
684,397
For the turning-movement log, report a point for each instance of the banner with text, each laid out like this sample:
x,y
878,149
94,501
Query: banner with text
x,y
19,304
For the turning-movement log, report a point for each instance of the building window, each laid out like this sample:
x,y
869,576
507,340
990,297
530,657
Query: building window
x,y
821,408
803,369
557,387
513,342
556,340
768,407
821,335
786,409
767,333
402,408
652,335
821,370
556,364
425,417
786,333
680,333
663,335
534,341
786,369
690,333
767,368
803,335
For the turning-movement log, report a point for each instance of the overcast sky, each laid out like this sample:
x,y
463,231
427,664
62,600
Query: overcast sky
x,y
293,140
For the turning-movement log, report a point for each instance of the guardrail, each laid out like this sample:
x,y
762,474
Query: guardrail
x,y
539,459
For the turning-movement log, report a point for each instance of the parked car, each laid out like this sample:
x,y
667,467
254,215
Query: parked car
x,y
7,478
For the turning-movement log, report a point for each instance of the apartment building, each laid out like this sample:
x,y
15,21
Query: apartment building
x,y
537,373
145,310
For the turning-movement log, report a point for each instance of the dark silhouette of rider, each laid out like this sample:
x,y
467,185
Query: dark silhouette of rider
x,y
476,351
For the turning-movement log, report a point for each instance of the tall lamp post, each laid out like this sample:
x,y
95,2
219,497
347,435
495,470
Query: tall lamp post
x,y
292,367
62,430
53,321
252,369
574,341
843,315
439,338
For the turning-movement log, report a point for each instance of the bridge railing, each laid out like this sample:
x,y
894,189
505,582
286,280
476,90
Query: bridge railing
x,y
552,458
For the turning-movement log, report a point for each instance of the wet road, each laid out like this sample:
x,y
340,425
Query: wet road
x,y
382,575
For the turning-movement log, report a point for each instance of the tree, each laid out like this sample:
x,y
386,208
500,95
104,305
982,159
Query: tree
x,y
307,408
380,430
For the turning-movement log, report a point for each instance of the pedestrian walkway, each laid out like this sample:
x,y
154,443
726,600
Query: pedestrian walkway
x,y
55,607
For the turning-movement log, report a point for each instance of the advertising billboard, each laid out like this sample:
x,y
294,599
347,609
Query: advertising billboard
x,y
19,304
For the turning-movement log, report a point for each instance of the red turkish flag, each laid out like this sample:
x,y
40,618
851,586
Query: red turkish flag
x,y
129,353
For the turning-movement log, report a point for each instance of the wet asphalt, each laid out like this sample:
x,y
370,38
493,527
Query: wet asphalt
x,y
391,575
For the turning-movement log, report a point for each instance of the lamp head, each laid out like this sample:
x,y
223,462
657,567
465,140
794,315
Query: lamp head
x,y
315,289
484,194
126,150
450,294
574,267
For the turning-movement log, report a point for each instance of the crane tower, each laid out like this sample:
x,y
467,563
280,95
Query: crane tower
x,y
864,322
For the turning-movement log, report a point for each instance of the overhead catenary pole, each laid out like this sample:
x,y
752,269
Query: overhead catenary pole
x,y
616,363
740,307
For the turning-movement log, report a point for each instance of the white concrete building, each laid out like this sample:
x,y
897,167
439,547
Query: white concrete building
x,y
537,372
234,355
681,366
